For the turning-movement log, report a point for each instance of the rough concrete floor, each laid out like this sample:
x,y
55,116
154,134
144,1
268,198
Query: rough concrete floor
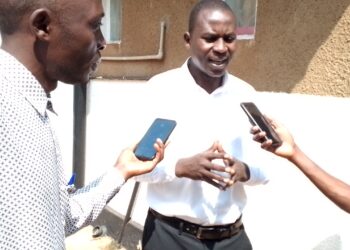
x,y
105,234
114,223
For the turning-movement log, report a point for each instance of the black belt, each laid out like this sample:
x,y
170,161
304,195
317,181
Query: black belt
x,y
201,232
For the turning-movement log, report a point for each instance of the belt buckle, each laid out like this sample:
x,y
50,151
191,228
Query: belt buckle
x,y
216,233
211,233
201,231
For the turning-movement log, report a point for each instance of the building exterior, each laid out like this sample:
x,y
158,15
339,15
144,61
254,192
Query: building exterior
x,y
299,46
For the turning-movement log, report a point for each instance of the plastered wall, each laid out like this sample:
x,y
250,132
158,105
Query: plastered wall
x,y
141,34
300,46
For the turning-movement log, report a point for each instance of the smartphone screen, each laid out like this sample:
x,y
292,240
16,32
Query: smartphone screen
x,y
256,118
160,128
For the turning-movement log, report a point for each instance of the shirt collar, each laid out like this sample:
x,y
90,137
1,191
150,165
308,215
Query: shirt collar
x,y
221,90
22,80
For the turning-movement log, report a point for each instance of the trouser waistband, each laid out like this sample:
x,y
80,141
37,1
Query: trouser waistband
x,y
201,232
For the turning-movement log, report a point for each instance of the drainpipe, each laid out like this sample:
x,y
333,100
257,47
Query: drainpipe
x,y
79,133
159,56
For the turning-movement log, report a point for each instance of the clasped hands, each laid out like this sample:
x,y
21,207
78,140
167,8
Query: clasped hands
x,y
214,166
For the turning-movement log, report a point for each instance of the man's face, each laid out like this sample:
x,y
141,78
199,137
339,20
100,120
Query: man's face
x,y
212,42
73,52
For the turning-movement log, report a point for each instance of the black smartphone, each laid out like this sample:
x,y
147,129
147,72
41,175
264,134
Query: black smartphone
x,y
160,128
256,118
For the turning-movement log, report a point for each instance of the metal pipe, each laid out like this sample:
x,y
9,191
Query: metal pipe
x,y
79,134
127,217
158,56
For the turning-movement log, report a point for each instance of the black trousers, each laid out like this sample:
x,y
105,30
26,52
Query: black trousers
x,y
158,235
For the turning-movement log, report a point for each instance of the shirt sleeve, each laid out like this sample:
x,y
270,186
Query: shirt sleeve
x,y
258,162
85,204
163,172
257,176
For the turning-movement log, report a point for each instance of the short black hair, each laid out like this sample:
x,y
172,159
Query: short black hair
x,y
12,12
206,4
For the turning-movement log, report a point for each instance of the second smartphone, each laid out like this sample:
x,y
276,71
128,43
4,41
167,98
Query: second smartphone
x,y
160,128
256,118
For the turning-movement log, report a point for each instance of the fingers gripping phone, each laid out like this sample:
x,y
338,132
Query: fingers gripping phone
x,y
256,118
160,128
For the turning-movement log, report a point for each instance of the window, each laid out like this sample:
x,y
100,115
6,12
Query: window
x,y
245,11
111,27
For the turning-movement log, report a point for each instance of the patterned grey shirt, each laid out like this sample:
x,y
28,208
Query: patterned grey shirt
x,y
36,208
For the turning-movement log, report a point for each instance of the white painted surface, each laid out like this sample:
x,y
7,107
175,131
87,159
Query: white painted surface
x,y
62,99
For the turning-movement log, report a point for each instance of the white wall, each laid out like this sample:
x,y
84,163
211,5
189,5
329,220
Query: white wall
x,y
62,99
289,212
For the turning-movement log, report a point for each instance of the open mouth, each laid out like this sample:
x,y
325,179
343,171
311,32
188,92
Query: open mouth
x,y
219,64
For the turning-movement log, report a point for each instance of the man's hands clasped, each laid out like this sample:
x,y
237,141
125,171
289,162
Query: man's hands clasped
x,y
214,166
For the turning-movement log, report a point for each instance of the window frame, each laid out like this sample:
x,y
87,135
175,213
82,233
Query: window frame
x,y
246,18
112,21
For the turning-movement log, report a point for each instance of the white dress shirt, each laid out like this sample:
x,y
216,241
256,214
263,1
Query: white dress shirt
x,y
36,208
201,119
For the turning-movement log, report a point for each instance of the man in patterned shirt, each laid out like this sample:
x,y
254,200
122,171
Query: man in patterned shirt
x,y
43,42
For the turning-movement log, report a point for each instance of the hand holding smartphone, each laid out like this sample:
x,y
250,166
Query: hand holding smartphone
x,y
256,118
160,128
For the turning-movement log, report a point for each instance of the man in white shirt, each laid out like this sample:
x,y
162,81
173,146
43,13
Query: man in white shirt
x,y
43,42
196,194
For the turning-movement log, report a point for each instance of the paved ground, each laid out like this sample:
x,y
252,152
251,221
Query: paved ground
x,y
114,224
110,224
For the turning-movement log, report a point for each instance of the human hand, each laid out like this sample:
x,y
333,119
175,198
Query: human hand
x,y
129,165
203,166
238,171
286,150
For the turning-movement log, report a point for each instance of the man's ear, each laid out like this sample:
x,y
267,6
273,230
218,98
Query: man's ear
x,y
187,38
40,21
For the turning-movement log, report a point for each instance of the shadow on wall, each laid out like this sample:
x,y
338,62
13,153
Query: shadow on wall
x,y
333,242
288,35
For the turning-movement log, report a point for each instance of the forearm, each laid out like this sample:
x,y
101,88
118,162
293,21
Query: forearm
x,y
335,189
87,203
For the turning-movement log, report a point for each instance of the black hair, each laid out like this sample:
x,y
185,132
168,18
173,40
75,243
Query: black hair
x,y
12,12
206,4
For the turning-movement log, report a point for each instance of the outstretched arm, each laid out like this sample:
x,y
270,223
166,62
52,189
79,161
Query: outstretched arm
x,y
335,189
85,204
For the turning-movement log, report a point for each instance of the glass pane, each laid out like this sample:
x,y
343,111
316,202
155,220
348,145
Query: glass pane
x,y
115,20
111,27
245,11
